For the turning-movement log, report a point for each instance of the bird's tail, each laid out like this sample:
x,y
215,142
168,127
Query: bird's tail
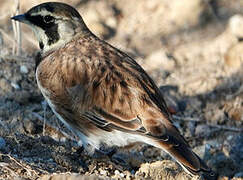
x,y
183,154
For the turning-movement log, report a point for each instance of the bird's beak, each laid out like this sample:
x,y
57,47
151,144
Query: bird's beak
x,y
20,18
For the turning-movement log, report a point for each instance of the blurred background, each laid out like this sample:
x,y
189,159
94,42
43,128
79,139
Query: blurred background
x,y
192,49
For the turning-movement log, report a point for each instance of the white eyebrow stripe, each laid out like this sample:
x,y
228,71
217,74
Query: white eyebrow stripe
x,y
45,13
42,13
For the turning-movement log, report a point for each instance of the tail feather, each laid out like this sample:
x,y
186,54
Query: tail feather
x,y
191,162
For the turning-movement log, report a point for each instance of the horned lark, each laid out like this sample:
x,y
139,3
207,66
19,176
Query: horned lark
x,y
100,92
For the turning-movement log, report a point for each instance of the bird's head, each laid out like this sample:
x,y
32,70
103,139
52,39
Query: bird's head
x,y
53,23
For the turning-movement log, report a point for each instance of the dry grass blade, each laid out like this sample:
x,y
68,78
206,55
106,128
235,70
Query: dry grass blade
x,y
19,35
7,167
17,32
226,128
54,127
16,58
186,118
210,125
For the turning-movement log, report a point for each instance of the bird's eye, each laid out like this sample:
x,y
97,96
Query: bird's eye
x,y
48,19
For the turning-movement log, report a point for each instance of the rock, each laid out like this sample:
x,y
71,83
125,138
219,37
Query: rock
x,y
5,86
103,172
15,85
202,130
233,58
72,176
236,25
112,22
24,69
239,175
29,126
161,170
199,150
159,60
181,12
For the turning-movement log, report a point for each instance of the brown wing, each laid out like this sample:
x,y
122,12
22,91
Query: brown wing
x,y
119,94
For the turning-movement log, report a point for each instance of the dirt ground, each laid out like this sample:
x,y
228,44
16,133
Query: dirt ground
x,y
191,48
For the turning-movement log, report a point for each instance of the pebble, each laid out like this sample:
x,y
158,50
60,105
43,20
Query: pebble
x,y
200,150
159,59
15,85
24,69
233,56
103,172
5,86
239,175
111,21
236,25
2,143
122,175
29,126
117,172
202,130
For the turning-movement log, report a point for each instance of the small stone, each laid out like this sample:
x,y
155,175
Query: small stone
x,y
122,175
159,59
29,126
202,131
161,170
24,69
2,143
15,85
236,25
5,85
117,172
103,172
238,175
200,150
233,56
111,21
128,175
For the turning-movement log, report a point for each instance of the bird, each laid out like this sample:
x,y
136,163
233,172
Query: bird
x,y
102,94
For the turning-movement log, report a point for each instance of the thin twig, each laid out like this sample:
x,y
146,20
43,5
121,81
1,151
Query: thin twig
x,y
17,58
187,118
210,125
6,166
7,36
18,31
15,36
44,105
225,127
28,170
57,129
